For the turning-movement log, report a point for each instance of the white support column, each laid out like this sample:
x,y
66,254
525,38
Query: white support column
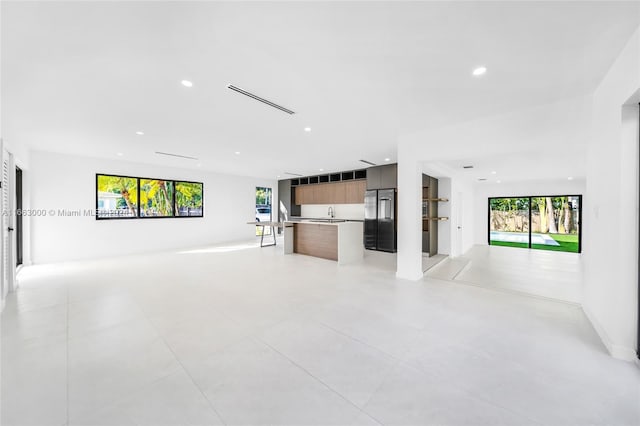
x,y
409,218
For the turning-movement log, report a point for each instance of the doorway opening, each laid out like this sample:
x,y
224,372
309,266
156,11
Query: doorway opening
x,y
263,209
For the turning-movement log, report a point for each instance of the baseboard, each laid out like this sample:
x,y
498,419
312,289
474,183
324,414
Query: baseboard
x,y
617,351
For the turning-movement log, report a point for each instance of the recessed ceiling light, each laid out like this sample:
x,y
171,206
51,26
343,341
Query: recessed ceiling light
x,y
237,152
322,170
119,154
186,83
570,178
139,133
479,71
493,172
278,176
387,159
498,181
307,129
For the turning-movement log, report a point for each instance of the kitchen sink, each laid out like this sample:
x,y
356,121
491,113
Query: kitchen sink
x,y
328,220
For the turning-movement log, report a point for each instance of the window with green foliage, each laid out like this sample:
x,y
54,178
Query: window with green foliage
x,y
156,198
538,222
117,197
188,199
263,209
127,197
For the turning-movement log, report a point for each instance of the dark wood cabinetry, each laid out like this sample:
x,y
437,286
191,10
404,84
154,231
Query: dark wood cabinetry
x,y
346,187
382,177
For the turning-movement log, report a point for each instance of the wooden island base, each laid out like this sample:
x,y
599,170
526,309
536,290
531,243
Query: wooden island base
x,y
339,241
316,240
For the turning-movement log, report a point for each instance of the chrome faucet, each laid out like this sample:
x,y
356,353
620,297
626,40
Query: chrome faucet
x,y
330,212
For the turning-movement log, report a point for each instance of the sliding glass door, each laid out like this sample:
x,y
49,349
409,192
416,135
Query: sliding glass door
x,y
509,222
537,222
555,223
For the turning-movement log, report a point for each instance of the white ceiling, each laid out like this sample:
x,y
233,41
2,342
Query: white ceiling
x,y
83,77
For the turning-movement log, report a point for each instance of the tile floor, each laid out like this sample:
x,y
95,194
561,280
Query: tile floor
x,y
240,335
555,275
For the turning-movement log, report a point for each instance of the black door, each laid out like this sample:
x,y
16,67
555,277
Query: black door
x,y
19,216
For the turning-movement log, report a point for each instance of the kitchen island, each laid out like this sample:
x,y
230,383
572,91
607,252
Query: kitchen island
x,y
333,240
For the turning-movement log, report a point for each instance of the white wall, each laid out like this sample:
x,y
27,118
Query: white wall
x,y
60,181
409,257
340,211
602,126
444,210
610,237
528,134
483,191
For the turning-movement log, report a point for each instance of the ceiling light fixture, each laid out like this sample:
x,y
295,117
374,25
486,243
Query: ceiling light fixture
x,y
387,159
119,154
186,83
570,178
493,172
479,71
139,133
498,181
237,152
322,170
307,129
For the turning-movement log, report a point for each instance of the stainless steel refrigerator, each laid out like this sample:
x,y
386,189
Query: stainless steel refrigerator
x,y
380,220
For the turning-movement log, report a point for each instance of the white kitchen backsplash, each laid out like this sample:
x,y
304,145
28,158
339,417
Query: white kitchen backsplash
x,y
340,211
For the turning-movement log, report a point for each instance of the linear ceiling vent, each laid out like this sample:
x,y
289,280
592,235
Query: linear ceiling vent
x,y
467,167
176,155
482,179
258,98
368,162
292,174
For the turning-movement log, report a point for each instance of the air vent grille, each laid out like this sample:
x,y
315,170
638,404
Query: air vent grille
x,y
176,155
259,99
467,167
368,162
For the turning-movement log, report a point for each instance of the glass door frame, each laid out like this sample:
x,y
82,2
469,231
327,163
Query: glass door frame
x,y
531,197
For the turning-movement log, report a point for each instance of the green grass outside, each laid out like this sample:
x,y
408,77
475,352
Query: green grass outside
x,y
508,244
568,243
